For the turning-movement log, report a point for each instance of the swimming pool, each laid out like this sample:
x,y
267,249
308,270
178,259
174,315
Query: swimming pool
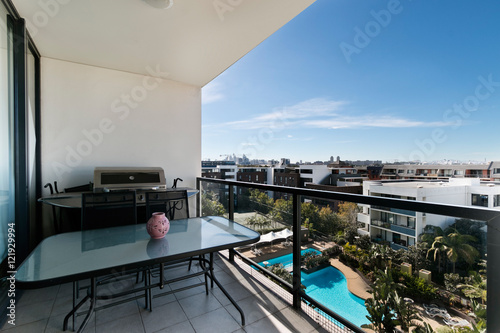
x,y
329,287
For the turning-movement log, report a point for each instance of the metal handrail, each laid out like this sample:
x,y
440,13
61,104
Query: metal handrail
x,y
490,216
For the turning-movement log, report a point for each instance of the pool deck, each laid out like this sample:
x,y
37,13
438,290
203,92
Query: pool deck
x,y
355,283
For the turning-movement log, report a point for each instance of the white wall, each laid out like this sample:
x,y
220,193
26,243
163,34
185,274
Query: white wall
x,y
99,117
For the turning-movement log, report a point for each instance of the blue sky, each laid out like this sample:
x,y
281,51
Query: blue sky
x,y
385,80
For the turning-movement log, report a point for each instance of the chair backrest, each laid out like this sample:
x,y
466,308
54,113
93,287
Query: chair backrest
x,y
103,210
173,203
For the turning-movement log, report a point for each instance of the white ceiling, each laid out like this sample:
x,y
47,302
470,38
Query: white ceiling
x,y
193,41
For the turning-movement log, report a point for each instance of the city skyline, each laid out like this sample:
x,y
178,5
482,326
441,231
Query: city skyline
x,y
396,80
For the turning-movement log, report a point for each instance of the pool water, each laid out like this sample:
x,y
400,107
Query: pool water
x,y
287,260
329,287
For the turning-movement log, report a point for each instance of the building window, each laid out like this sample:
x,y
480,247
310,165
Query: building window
x,y
496,170
496,200
256,178
309,171
480,200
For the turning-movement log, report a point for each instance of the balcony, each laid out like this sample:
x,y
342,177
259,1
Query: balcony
x,y
395,210
398,246
403,230
364,218
298,296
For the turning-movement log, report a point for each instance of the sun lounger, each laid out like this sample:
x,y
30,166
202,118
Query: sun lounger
x,y
456,323
436,312
256,252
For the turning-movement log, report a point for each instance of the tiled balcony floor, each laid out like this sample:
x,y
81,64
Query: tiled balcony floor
x,y
43,310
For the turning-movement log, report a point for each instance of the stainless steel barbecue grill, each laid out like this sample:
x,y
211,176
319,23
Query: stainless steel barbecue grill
x,y
140,179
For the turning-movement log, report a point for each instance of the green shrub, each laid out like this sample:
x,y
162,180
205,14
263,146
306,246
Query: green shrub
x,y
415,287
333,251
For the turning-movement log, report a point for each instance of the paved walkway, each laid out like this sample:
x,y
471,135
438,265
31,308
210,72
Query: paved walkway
x,y
355,283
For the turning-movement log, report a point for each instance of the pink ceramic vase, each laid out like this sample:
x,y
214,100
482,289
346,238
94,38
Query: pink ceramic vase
x,y
158,225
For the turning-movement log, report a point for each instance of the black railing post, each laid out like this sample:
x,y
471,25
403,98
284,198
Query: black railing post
x,y
296,252
198,201
493,274
230,206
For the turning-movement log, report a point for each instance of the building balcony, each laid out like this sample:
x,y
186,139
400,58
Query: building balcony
x,y
364,218
398,246
405,230
395,210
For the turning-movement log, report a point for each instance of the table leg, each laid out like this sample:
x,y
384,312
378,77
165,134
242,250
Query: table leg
x,y
92,304
224,290
73,313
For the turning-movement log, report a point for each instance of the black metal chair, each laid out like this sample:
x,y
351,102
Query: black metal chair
x,y
175,205
103,210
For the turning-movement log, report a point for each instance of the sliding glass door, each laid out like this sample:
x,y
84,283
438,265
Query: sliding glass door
x,y
19,131
7,151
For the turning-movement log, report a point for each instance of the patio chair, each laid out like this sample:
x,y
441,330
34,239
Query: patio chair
x,y
175,205
104,210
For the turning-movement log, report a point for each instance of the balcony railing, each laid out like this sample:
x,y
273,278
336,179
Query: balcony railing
x,y
395,210
492,218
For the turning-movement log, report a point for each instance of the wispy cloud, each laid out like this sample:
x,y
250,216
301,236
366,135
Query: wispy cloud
x,y
343,122
290,116
324,113
211,93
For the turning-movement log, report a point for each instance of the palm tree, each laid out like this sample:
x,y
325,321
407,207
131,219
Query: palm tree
x,y
455,246
438,249
405,312
379,307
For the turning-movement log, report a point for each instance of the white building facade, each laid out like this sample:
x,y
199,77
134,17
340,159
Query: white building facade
x,y
401,228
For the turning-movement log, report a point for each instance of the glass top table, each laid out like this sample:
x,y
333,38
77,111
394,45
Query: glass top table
x,y
78,255
73,256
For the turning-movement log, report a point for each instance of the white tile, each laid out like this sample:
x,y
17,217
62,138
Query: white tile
x,y
235,290
162,317
55,324
116,313
184,327
199,304
33,327
131,323
217,321
30,312
298,320
268,324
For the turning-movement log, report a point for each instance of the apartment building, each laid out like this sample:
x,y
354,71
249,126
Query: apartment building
x,y
401,228
485,171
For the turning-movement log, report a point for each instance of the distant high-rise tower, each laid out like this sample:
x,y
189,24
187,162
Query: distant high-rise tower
x,y
285,161
338,158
